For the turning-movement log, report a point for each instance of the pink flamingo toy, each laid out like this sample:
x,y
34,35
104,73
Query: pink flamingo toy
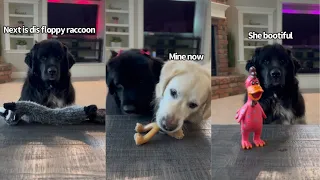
x,y
251,115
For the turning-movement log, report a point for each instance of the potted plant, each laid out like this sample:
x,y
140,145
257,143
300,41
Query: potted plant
x,y
116,42
21,44
115,20
231,53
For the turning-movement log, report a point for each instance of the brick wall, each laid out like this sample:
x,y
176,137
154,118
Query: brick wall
x,y
5,71
222,46
224,84
222,43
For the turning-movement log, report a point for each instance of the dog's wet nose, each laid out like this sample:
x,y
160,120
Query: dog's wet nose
x,y
52,71
168,124
129,108
275,73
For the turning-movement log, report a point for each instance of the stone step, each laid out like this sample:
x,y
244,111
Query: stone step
x,y
5,72
224,86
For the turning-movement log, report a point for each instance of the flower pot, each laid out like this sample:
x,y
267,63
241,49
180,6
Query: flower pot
x,y
115,44
21,47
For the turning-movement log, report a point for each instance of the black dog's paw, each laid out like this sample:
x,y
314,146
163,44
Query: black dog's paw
x,y
91,111
101,116
10,106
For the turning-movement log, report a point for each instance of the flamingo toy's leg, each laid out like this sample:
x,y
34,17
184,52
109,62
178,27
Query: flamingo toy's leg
x,y
257,140
245,143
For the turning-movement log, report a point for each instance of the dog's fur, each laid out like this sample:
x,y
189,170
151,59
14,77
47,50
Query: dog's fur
x,y
50,90
182,94
131,78
282,101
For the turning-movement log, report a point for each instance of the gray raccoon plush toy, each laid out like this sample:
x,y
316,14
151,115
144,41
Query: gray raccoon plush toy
x,y
41,114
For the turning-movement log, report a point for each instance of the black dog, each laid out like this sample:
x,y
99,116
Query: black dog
x,y
131,77
282,100
48,80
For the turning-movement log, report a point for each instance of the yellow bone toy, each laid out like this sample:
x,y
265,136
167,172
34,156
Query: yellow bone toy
x,y
153,128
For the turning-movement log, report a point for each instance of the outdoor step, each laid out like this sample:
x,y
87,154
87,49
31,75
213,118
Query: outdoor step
x,y
5,72
224,86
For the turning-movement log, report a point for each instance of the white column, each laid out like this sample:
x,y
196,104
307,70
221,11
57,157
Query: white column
x,y
207,33
44,10
35,19
6,23
270,27
131,23
240,35
140,24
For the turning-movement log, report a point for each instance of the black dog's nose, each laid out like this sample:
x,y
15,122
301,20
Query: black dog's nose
x,y
275,73
52,71
129,108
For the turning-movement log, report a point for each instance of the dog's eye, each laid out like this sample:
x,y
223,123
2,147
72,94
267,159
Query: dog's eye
x,y
43,58
281,61
173,93
266,61
192,105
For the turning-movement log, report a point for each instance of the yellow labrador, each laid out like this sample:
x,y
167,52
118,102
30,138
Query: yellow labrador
x,y
182,94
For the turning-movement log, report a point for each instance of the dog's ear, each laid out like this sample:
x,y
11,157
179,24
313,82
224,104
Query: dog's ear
x,y
70,58
113,54
169,71
297,64
28,59
31,55
253,60
249,64
295,61
207,107
156,67
204,112
289,52
109,81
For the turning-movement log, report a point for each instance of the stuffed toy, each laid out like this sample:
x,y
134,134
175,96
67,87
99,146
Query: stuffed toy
x,y
251,115
41,114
